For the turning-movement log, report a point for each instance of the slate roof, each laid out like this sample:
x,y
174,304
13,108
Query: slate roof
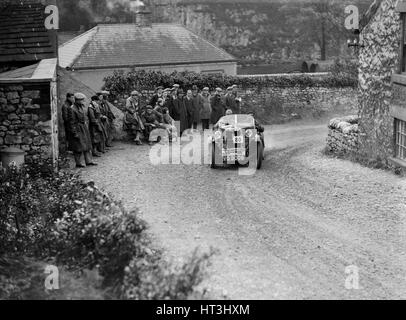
x,y
129,45
23,36
43,70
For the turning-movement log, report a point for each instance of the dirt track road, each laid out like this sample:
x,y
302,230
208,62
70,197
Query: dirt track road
x,y
288,232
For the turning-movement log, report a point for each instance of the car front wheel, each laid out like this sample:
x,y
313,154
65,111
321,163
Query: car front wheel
x,y
213,156
260,155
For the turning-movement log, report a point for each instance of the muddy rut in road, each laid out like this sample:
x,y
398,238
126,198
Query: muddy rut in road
x,y
287,232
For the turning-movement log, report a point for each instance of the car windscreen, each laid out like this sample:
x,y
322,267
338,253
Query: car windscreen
x,y
240,120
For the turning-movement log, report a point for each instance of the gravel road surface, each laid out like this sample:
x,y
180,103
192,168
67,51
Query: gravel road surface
x,y
287,232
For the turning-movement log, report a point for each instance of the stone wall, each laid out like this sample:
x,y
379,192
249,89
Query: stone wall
x,y
281,104
343,136
275,105
25,119
378,61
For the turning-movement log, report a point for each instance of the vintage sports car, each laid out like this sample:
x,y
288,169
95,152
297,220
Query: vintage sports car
x,y
237,139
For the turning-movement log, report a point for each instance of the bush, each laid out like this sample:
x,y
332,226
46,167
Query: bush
x,y
120,83
54,216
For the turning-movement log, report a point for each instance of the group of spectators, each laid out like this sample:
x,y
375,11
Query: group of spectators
x,y
89,129
171,105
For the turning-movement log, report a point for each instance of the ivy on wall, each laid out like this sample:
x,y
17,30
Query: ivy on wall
x,y
121,83
378,61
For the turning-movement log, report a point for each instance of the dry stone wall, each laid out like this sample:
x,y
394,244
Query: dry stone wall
x,y
343,136
25,119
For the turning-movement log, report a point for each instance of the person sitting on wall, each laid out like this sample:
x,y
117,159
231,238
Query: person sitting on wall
x,y
132,119
169,124
152,120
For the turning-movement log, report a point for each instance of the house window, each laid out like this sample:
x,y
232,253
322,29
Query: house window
x,y
400,139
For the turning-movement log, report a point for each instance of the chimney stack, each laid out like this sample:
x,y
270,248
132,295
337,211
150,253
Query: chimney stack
x,y
142,15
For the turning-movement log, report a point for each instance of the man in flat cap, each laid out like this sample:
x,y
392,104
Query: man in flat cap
x,y
205,113
232,100
80,140
180,112
132,119
70,100
158,95
97,132
197,106
108,117
175,89
218,106
152,120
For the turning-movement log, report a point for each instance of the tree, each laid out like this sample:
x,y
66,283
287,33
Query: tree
x,y
319,22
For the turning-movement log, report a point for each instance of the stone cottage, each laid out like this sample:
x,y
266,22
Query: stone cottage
x,y
28,79
382,81
165,47
28,110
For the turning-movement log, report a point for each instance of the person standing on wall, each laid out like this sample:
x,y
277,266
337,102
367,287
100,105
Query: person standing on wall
x,y
205,112
70,100
80,140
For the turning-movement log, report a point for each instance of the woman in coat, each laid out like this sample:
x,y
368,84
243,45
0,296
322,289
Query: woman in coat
x,y
218,106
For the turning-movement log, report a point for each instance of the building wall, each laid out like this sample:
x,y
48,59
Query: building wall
x,y
378,62
26,119
94,78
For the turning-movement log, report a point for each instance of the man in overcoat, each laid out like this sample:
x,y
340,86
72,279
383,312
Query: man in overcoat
x,y
97,131
70,99
180,111
108,117
132,117
218,107
197,106
205,113
80,140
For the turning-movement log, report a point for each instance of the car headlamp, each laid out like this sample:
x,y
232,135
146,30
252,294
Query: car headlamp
x,y
218,135
249,133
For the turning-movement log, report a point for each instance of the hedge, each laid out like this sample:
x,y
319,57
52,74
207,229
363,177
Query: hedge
x,y
121,83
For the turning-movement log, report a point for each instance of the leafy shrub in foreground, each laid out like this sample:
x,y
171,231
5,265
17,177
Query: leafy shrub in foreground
x,y
53,215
